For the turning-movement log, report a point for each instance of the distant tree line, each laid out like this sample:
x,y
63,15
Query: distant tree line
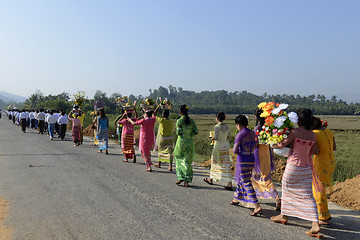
x,y
205,102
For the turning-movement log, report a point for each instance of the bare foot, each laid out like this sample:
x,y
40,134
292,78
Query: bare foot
x,y
157,165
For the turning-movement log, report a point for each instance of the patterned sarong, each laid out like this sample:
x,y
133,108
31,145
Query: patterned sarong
x,y
297,195
165,148
127,144
103,137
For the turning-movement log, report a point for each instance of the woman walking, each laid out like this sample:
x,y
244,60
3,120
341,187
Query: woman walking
x,y
324,163
103,131
261,177
165,139
244,146
147,136
297,194
220,157
76,126
127,135
184,151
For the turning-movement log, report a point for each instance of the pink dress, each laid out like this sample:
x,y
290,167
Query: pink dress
x,y
147,137
127,138
297,195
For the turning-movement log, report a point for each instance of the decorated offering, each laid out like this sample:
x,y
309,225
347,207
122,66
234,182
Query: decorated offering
x,y
211,135
148,104
166,104
79,98
125,103
278,123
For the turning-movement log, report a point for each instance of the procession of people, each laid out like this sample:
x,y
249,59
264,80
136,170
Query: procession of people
x,y
307,176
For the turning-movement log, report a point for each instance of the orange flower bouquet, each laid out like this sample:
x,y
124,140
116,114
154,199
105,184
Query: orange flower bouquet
x,y
278,123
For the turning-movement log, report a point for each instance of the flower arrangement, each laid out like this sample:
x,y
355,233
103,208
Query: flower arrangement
x,y
124,102
166,104
79,98
278,122
148,104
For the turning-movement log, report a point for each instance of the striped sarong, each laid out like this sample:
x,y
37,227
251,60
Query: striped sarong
x,y
75,133
165,148
245,192
127,145
103,137
297,195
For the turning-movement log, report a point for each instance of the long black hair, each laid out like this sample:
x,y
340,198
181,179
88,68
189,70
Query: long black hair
x,y
184,110
259,120
102,112
306,118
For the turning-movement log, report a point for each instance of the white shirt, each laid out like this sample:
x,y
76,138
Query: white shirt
x,y
40,116
62,120
51,119
32,115
23,115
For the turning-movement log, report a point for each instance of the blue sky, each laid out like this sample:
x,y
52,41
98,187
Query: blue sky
x,y
279,47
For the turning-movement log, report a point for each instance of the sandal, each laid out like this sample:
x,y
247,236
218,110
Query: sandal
x,y
125,160
179,181
208,181
234,202
275,219
149,170
257,213
229,188
314,234
186,184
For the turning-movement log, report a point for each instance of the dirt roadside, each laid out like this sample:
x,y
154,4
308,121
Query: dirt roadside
x,y
346,194
5,232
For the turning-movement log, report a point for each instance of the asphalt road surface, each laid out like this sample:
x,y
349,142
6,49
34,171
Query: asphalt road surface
x,y
58,191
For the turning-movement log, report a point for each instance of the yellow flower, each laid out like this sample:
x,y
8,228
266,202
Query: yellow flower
x,y
261,105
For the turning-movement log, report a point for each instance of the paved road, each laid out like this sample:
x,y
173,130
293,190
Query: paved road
x,y
75,193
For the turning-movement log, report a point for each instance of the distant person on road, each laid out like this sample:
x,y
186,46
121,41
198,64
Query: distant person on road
x,y
76,127
165,139
220,158
51,120
261,174
127,136
118,126
147,136
62,121
297,194
184,152
103,131
94,127
324,162
244,146
40,116
22,118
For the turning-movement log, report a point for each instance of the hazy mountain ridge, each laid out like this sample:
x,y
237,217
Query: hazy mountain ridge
x,y
9,97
